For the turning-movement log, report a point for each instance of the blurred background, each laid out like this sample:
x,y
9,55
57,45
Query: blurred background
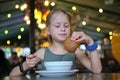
x,y
22,26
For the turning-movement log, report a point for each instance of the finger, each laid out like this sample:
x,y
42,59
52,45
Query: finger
x,y
73,37
77,37
31,65
31,61
35,55
81,40
30,56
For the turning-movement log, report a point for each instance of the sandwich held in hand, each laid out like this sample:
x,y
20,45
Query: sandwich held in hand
x,y
70,45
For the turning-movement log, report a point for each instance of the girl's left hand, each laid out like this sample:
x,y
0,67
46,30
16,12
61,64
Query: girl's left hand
x,y
81,37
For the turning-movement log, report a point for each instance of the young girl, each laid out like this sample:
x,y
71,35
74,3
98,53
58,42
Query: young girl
x,y
58,28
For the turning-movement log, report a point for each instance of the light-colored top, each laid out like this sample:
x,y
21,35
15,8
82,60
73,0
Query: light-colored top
x,y
50,56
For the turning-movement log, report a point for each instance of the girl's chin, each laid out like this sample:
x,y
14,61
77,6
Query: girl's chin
x,y
62,40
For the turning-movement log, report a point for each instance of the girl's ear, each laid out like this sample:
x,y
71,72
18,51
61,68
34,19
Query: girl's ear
x,y
47,30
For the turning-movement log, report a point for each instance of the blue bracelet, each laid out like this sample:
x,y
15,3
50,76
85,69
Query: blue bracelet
x,y
92,47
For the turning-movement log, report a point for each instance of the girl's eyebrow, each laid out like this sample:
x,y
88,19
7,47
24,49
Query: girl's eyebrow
x,y
64,22
57,23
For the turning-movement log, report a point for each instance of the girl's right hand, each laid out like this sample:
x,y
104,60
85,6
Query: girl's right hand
x,y
31,61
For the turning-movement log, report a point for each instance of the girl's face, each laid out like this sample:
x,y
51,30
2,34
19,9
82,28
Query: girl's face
x,y
59,27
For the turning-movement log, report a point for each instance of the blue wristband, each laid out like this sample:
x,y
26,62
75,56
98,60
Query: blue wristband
x,y
92,47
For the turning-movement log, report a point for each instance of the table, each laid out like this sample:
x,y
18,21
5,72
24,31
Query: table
x,y
77,76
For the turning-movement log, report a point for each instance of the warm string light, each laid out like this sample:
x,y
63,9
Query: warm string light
x,y
110,32
28,22
98,29
8,42
52,3
6,32
17,6
110,35
42,26
84,23
26,17
23,6
22,29
100,10
74,8
9,15
46,2
19,36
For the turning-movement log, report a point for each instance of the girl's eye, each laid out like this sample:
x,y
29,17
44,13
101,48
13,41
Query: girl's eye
x,y
66,26
57,26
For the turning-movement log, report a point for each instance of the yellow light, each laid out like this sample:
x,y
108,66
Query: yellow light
x,y
83,22
22,29
26,17
45,15
110,37
21,8
74,8
101,10
19,37
6,32
25,6
110,33
52,3
8,42
98,29
38,15
41,26
46,3
18,49
9,15
45,44
17,6
28,22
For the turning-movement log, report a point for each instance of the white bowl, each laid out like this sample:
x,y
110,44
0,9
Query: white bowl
x,y
58,65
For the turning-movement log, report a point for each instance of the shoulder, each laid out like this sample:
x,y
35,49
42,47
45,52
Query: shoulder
x,y
40,53
41,50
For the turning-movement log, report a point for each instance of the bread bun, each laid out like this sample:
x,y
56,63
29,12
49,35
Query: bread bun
x,y
70,45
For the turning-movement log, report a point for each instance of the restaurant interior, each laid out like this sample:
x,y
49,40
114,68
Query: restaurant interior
x,y
22,27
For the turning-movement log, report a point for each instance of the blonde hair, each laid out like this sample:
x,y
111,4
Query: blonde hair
x,y
52,12
58,10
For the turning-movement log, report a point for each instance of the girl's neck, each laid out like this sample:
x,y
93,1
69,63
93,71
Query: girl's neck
x,y
57,45
58,48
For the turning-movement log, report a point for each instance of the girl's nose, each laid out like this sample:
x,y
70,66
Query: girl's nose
x,y
62,28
